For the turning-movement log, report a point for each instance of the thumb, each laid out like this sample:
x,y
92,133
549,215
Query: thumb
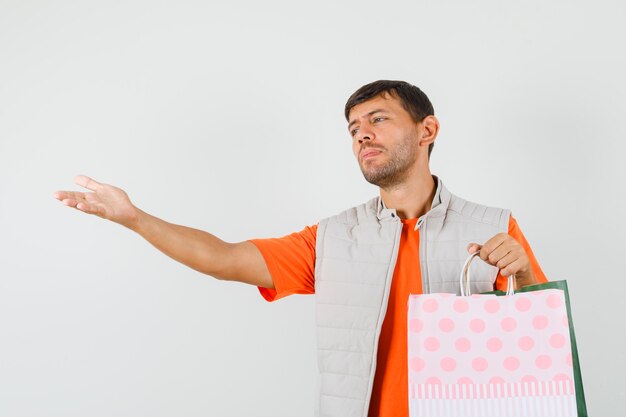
x,y
473,247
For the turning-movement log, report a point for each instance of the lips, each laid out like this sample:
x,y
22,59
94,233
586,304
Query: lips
x,y
369,153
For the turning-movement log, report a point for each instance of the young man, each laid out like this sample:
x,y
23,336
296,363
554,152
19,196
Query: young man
x,y
363,263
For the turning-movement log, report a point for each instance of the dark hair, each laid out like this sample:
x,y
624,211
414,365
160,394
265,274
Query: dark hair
x,y
414,101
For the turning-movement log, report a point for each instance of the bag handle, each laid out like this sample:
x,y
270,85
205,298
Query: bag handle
x,y
464,282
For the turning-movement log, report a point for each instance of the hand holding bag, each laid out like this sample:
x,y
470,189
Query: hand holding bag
x,y
493,355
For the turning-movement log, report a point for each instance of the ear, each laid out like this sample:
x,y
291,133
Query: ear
x,y
429,131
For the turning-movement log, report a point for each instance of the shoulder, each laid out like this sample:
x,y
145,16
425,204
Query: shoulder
x,y
354,215
461,209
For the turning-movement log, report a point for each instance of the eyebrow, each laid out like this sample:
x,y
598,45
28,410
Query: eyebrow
x,y
368,114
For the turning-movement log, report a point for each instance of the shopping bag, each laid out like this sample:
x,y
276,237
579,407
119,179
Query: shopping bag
x,y
493,355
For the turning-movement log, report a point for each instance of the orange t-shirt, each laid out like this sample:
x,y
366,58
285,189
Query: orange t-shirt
x,y
291,262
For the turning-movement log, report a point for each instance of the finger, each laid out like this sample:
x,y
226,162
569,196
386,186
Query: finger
x,y
82,205
72,202
88,183
501,252
512,268
490,245
88,208
62,195
473,247
506,261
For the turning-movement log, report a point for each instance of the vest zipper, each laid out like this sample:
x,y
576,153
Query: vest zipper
x,y
421,225
385,301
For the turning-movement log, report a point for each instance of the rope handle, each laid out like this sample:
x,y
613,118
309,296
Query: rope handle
x,y
464,281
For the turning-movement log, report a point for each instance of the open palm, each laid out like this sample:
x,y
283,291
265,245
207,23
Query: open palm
x,y
105,201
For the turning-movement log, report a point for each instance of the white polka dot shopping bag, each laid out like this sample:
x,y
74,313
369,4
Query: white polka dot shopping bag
x,y
494,355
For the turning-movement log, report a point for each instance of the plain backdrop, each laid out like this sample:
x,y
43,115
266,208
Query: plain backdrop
x,y
228,117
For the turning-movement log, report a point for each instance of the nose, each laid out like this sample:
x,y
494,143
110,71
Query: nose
x,y
364,134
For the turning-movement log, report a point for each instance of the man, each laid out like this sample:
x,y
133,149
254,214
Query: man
x,y
363,263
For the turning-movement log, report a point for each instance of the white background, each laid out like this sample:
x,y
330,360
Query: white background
x,y
229,118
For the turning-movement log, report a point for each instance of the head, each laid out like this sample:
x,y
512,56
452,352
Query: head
x,y
393,128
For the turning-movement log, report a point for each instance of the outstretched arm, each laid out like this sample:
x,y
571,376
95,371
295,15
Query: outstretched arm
x,y
195,248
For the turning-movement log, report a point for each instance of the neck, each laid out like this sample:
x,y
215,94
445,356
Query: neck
x,y
413,197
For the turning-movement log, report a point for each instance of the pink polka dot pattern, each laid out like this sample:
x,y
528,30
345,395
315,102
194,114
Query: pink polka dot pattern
x,y
446,325
416,364
496,380
448,364
416,325
492,306
488,339
433,380
526,343
523,304
494,344
553,301
562,377
480,364
477,325
557,340
543,361
430,306
540,322
431,344
462,344
511,363
460,305
508,324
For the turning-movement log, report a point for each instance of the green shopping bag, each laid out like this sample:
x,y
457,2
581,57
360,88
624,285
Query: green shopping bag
x,y
578,382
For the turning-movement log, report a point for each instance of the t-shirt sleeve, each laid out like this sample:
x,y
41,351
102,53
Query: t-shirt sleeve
x,y
291,262
516,233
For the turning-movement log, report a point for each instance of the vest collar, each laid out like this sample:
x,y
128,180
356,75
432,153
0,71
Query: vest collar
x,y
438,206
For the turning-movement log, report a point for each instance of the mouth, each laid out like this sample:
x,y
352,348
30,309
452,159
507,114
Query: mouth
x,y
369,153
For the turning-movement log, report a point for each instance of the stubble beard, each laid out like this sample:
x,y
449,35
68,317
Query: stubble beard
x,y
394,172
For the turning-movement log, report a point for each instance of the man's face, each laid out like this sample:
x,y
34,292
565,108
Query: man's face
x,y
384,140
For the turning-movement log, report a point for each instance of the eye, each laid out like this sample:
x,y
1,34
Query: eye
x,y
379,119
354,131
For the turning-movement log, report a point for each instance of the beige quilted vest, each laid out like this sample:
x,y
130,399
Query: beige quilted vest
x,y
356,253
